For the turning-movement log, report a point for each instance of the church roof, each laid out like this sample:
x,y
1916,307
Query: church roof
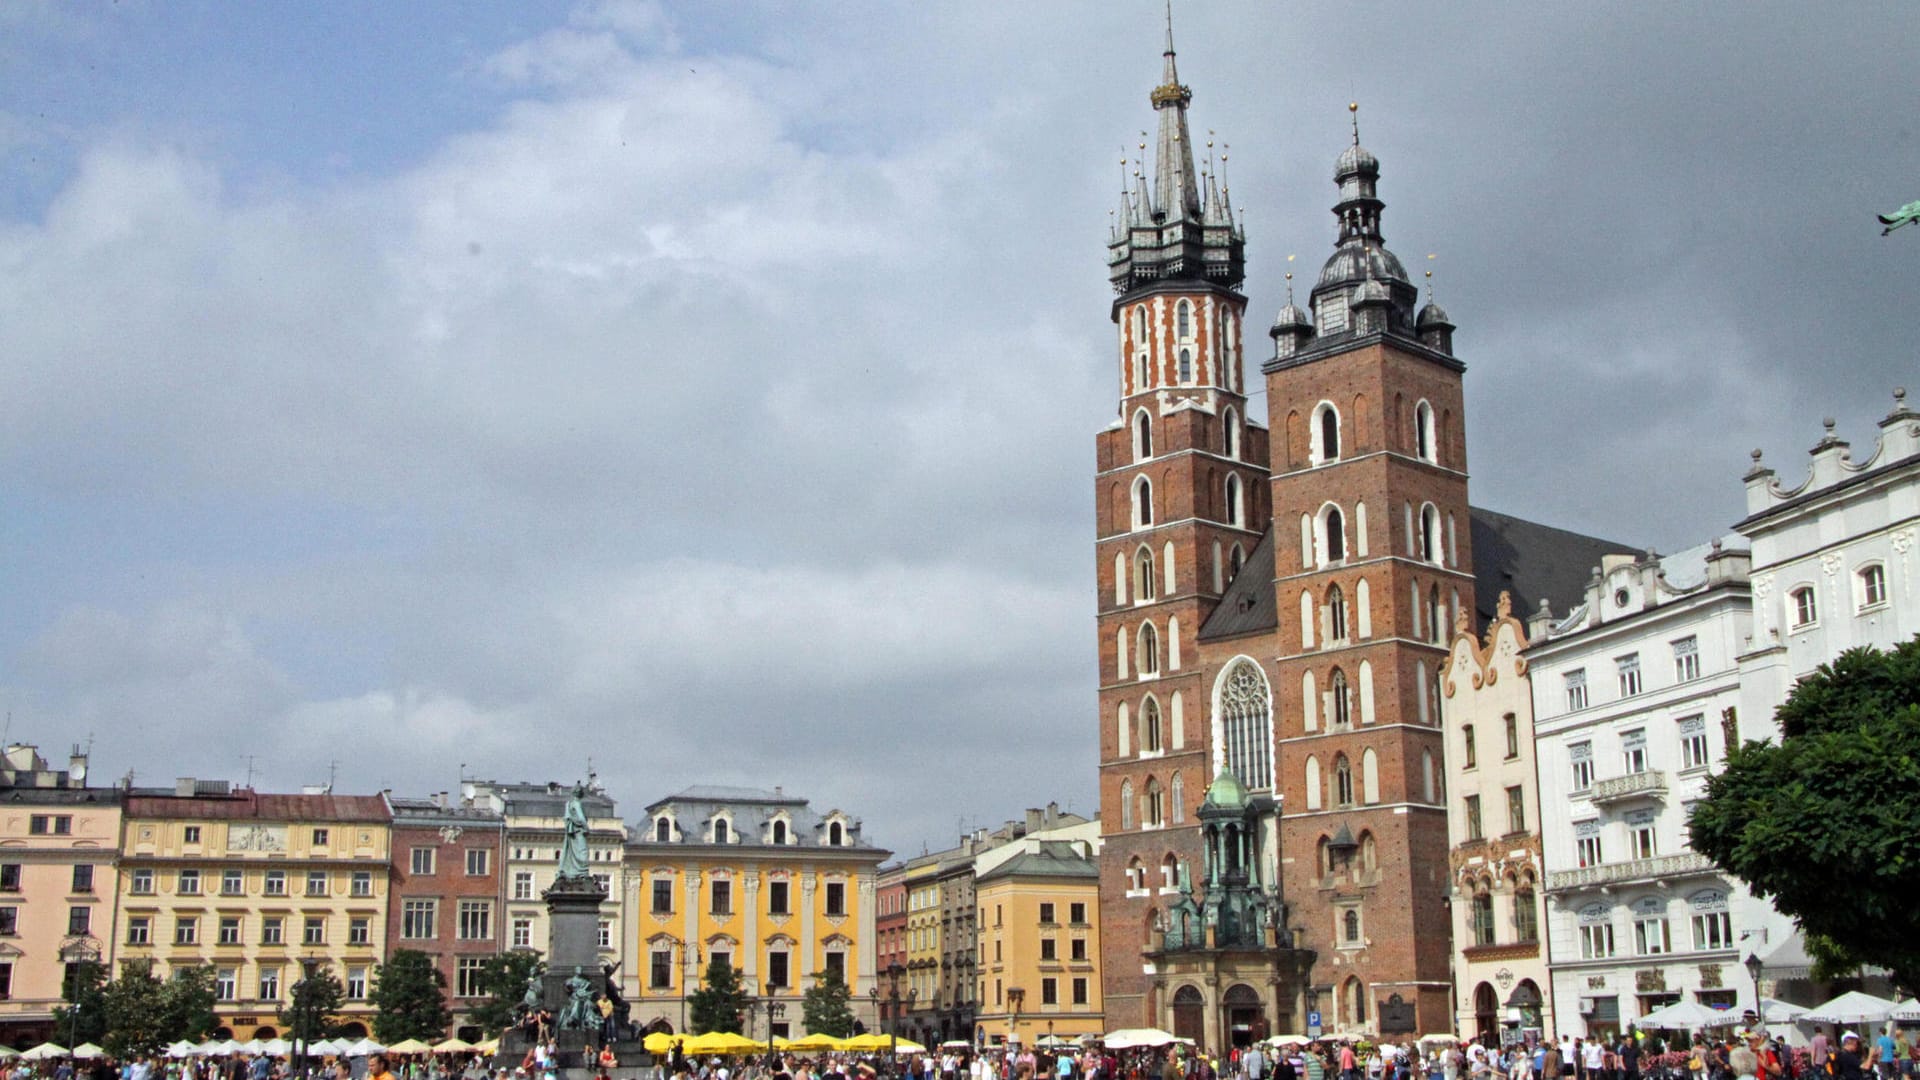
x,y
1510,554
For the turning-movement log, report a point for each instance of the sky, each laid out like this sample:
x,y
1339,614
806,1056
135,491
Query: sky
x,y
706,393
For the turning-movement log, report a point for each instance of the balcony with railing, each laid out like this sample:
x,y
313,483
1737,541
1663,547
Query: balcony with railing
x,y
1651,784
1633,871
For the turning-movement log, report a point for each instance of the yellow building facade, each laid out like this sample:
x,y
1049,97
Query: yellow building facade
x,y
924,933
1039,941
782,892
255,886
58,843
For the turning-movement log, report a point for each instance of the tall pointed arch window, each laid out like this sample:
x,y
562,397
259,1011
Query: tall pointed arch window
x,y
1230,434
1336,614
1147,650
1142,435
1151,728
1333,534
1435,630
1152,808
1142,503
1342,782
1177,796
1339,701
1183,320
1326,434
1126,804
1246,723
1234,516
1423,440
1186,365
1430,550
1144,577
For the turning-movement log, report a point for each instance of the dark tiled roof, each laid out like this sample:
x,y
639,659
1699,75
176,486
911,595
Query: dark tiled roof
x,y
1247,606
1510,554
1056,858
247,805
39,796
1531,561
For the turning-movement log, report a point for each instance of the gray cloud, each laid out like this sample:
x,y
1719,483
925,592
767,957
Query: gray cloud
x,y
726,400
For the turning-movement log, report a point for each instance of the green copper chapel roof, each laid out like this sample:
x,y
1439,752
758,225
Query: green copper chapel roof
x,y
1225,791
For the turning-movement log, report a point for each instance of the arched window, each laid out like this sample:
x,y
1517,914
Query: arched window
x,y
1234,517
1150,735
719,830
1354,994
1366,692
1326,431
1806,610
1123,729
1147,650
1230,434
1177,722
1336,613
1333,535
1166,566
1186,365
779,832
1144,577
1142,366
1177,794
1142,503
1434,628
1423,440
1339,701
1169,872
1126,805
1363,605
1244,713
1342,782
1369,853
662,831
1433,688
1430,549
1315,792
1369,776
1350,926
1426,776
1306,619
836,835
1323,856
1142,436
1234,559
1150,807
1309,703
1183,320
1871,586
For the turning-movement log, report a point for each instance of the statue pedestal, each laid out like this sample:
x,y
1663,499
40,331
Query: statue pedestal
x,y
573,949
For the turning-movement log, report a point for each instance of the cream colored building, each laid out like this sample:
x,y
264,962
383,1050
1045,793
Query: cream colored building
x,y
255,885
1491,789
58,842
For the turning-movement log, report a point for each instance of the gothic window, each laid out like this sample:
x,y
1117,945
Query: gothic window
x,y
1246,723
1233,500
1326,431
1333,535
1339,701
1426,776
1150,807
1150,736
1433,691
1350,927
1123,729
1314,791
1423,442
1142,503
1234,559
1342,782
1369,853
1142,436
1177,793
1144,577
1142,367
1126,805
1148,650
1230,434
1430,550
1336,613
1186,365
1183,320
1369,776
1355,995
1434,628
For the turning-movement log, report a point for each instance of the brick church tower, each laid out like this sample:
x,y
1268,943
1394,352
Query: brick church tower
x,y
1371,567
1181,499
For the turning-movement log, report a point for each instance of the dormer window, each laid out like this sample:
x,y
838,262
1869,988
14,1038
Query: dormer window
x,y
1332,309
779,832
663,830
720,831
836,835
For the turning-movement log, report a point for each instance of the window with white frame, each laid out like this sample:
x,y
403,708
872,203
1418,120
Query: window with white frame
x,y
522,933
1871,586
1581,756
1686,659
1576,689
476,920
1694,752
523,884
1712,921
1629,668
1805,607
1586,842
1651,936
1596,932
1633,750
1246,724
356,984
226,984
269,984
1640,843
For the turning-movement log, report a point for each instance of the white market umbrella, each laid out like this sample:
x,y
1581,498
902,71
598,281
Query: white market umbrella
x,y
7,1053
181,1049
1907,1010
276,1048
86,1051
1778,1011
363,1048
1129,1038
1852,1007
326,1047
46,1051
251,1046
1687,1016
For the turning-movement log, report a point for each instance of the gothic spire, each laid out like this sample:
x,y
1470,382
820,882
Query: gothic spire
x,y
1176,190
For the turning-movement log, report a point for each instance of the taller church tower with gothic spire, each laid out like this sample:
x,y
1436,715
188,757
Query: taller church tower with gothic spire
x,y
1271,624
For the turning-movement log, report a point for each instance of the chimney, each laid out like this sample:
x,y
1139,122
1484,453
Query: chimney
x,y
183,787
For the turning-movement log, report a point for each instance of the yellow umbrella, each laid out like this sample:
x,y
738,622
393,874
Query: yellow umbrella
x,y
491,1046
455,1045
722,1042
659,1042
869,1041
816,1041
410,1046
908,1046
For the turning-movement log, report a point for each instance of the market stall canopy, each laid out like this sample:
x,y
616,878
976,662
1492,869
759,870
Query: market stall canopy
x,y
362,1048
722,1042
1688,1016
660,1042
45,1052
956,1044
815,1042
455,1045
276,1048
908,1046
1289,1040
1131,1038
1440,1038
1852,1007
409,1046
489,1046
1907,1010
86,1051
8,1052
1777,1011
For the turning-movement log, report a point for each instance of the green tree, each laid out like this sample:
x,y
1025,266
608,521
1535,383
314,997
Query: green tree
x,y
84,1017
1833,811
411,996
187,1001
503,979
720,1005
136,1010
825,1006
310,1011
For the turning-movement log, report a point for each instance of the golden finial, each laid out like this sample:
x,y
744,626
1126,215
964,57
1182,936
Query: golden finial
x,y
1353,107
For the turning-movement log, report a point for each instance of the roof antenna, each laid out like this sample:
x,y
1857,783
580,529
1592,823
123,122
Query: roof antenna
x,y
249,770
333,771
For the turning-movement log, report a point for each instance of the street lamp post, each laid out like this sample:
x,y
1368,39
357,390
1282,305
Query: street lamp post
x,y
303,1019
1756,967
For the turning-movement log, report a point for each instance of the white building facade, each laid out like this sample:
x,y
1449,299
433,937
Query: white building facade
x,y
1636,698
1834,568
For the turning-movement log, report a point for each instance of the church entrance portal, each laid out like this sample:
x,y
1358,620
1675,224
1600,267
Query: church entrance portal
x,y
1246,1017
1190,1015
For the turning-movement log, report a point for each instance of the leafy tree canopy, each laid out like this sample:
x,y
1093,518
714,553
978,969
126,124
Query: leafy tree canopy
x,y
84,1018
311,1010
411,996
1832,812
721,1004
826,1006
504,982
